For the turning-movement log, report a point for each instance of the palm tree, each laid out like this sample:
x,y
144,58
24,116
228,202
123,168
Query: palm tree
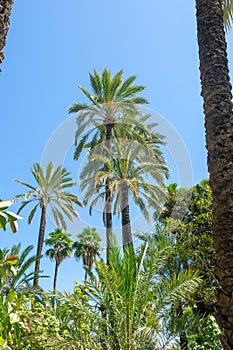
x,y
60,248
87,247
5,12
113,102
52,194
130,168
137,298
217,95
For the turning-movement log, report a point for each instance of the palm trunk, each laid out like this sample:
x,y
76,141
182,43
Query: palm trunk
x,y
183,337
108,196
55,277
40,244
5,12
125,218
86,276
216,92
88,261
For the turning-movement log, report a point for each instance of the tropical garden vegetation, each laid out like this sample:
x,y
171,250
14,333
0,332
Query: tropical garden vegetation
x,y
173,290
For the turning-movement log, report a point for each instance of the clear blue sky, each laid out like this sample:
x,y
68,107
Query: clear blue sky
x,y
51,47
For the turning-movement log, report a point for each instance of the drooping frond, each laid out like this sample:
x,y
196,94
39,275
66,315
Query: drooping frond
x,y
52,184
228,13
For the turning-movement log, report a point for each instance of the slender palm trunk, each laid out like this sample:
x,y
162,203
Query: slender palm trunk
x,y
55,277
88,260
183,337
216,92
108,196
40,244
5,12
125,218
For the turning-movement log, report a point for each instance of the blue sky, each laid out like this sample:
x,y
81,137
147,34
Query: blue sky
x,y
52,46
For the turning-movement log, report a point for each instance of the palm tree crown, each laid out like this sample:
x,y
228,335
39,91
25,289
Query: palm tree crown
x,y
61,246
51,192
88,247
52,184
133,170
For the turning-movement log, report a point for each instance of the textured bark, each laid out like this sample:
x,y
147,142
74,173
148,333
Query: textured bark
x,y
88,260
216,92
125,218
40,244
5,12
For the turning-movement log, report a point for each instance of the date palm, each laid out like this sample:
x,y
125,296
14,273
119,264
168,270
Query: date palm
x,y
61,246
217,96
49,193
112,101
137,298
87,247
133,171
5,12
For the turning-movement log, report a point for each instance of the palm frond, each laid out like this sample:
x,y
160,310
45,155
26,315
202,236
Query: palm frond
x,y
32,213
228,13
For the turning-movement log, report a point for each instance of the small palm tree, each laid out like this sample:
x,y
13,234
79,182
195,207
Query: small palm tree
x,y
51,192
87,247
60,248
130,166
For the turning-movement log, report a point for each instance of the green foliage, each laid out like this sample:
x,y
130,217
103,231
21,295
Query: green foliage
x,y
77,322
130,164
51,191
87,247
61,246
19,279
7,216
206,337
113,102
188,216
135,299
15,322
228,13
6,268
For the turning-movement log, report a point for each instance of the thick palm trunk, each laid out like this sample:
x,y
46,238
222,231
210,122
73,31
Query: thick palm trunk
x,y
5,12
55,277
40,244
216,92
125,218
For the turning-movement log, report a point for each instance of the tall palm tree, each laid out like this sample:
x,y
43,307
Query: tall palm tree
x,y
50,193
61,246
5,12
130,167
217,95
87,247
113,102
